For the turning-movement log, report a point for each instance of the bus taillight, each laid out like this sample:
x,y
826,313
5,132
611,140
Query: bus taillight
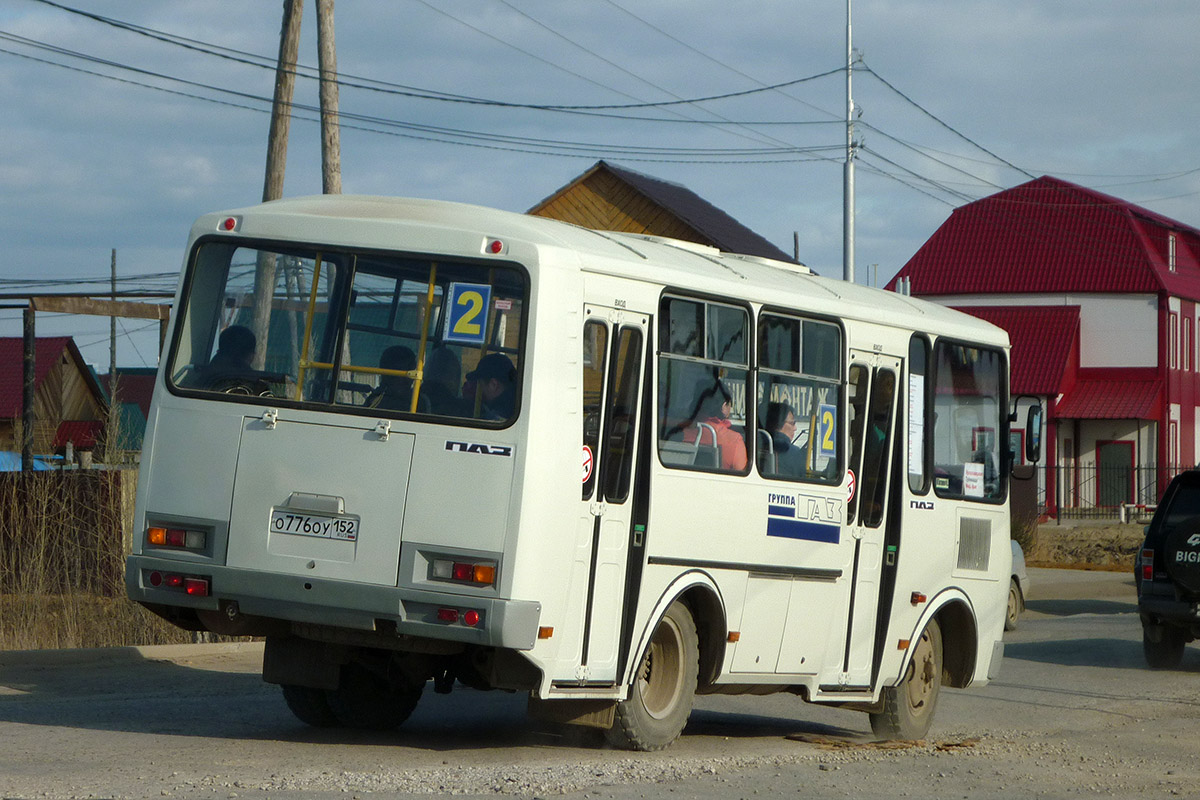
x,y
464,572
176,537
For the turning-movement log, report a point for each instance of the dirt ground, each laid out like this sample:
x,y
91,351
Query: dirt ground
x,y
1085,546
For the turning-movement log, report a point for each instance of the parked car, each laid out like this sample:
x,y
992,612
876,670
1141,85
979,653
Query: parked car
x,y
1018,588
1167,573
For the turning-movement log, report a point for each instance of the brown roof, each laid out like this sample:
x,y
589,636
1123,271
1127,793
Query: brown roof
x,y
691,217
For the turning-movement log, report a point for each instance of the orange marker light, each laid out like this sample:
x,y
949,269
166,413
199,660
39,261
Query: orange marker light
x,y
545,632
485,573
157,536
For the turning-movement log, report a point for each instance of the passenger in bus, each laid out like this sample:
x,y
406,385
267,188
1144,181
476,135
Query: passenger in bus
x,y
712,408
394,392
780,420
443,376
493,384
235,351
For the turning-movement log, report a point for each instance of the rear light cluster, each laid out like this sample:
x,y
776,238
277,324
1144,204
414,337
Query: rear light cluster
x,y
188,584
483,574
1147,565
176,537
451,616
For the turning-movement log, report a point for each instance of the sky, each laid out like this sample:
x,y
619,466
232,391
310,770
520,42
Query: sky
x,y
116,133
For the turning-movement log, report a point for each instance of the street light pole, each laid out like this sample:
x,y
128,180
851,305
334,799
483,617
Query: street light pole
x,y
848,171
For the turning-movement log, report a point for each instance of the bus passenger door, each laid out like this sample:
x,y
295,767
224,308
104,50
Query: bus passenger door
x,y
873,396
614,346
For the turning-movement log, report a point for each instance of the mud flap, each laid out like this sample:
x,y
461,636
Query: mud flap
x,y
588,713
997,657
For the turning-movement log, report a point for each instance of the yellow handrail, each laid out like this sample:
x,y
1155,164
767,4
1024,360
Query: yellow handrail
x,y
308,323
418,379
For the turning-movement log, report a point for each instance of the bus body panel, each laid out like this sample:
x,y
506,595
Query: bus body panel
x,y
808,597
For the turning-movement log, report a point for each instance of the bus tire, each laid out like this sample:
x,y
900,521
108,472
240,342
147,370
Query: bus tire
x,y
664,686
311,706
908,706
365,700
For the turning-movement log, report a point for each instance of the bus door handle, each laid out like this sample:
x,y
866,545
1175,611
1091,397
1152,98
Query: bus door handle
x,y
384,428
270,417
597,509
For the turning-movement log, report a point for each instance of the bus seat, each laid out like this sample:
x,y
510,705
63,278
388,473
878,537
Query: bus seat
x,y
677,453
767,461
708,454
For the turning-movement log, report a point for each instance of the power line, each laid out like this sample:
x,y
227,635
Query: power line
x,y
945,125
386,87
435,133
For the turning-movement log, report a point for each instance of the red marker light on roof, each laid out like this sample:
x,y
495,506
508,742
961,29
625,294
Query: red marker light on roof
x,y
495,246
229,224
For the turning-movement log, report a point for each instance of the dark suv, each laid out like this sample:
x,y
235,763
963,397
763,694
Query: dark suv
x,y
1167,573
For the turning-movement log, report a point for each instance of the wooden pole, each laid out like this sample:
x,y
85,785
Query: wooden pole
x,y
331,149
27,417
277,142
110,443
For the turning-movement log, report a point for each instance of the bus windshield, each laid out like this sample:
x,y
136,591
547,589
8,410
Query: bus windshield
x,y
402,335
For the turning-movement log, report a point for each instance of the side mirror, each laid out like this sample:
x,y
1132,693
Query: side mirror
x,y
1033,434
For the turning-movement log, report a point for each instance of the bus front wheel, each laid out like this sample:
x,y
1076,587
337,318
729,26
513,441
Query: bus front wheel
x,y
660,698
908,706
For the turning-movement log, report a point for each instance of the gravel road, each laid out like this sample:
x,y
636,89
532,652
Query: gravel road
x,y
1074,713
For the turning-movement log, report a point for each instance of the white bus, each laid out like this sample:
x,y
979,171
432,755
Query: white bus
x,y
410,441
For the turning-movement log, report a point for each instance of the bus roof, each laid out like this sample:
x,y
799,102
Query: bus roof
x,y
374,222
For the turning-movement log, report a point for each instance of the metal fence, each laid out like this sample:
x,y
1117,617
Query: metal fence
x,y
1122,494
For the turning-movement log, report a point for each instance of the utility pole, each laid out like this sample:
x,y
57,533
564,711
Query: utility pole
x,y
27,417
848,173
277,142
110,438
331,149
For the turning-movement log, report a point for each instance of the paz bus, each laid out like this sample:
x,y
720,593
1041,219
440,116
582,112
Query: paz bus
x,y
417,443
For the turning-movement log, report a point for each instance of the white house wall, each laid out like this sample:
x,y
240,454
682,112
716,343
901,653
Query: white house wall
x,y
1115,330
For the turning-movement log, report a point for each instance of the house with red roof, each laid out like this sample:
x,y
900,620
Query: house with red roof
x,y
1101,300
69,403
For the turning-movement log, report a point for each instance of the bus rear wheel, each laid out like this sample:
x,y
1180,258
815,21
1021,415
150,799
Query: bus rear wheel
x,y
311,706
369,701
664,686
908,706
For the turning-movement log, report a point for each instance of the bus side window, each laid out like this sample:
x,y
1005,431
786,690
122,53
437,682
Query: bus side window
x,y
799,398
858,416
703,367
595,349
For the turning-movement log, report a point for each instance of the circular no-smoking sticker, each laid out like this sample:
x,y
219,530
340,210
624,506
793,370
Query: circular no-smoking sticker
x,y
587,463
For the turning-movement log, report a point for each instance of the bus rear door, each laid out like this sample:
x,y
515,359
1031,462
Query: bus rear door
x,y
614,348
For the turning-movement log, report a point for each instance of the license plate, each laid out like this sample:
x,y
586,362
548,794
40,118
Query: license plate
x,y
344,528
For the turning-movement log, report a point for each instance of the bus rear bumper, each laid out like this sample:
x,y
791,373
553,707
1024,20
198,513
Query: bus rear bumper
x,y
511,624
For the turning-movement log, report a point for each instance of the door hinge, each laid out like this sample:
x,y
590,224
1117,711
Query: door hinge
x,y
384,428
270,417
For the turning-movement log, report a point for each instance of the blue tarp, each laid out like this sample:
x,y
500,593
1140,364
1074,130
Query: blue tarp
x,y
11,462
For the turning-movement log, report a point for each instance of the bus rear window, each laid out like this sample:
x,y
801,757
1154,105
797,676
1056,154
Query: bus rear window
x,y
375,334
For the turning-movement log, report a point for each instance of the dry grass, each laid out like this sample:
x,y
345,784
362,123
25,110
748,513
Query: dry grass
x,y
63,541
41,622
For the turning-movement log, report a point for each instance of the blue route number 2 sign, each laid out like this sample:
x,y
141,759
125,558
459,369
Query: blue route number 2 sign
x,y
467,312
